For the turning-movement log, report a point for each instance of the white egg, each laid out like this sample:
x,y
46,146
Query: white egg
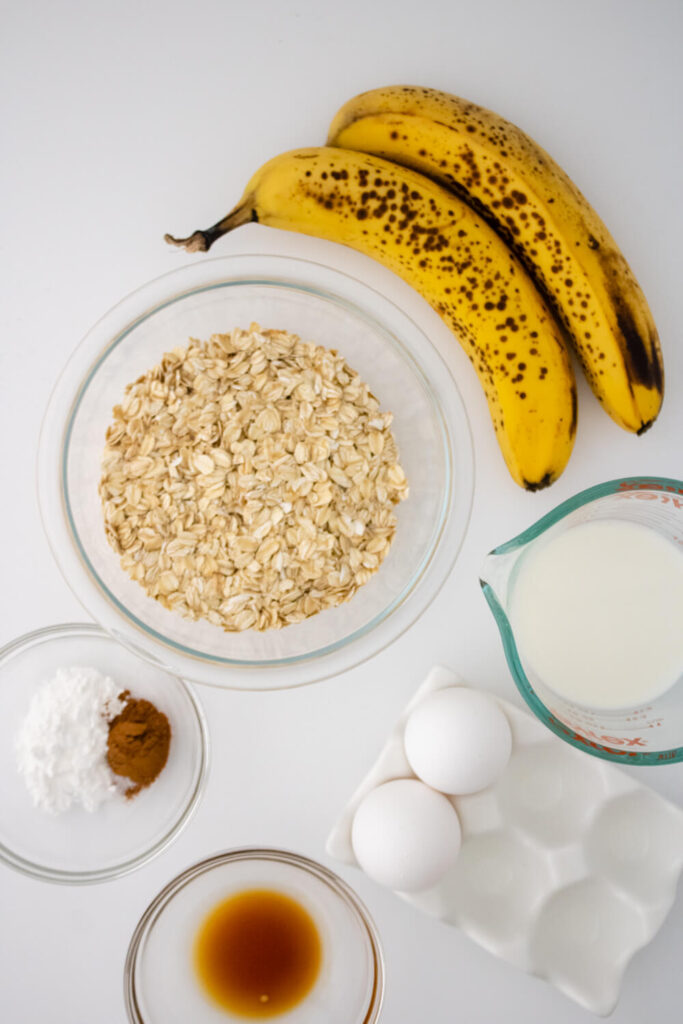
x,y
405,835
458,740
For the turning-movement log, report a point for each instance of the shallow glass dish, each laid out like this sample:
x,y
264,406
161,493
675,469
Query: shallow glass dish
x,y
392,355
160,983
121,835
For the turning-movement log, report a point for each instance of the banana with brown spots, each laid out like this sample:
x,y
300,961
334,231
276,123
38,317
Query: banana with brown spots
x,y
447,252
538,210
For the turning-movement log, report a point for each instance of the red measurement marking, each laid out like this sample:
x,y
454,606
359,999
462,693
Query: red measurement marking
x,y
612,741
647,485
663,499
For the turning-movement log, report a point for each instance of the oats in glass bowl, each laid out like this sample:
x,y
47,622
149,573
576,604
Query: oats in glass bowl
x,y
251,480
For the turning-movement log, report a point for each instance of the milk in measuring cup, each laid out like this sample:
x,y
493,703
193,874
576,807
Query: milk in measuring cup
x,y
597,613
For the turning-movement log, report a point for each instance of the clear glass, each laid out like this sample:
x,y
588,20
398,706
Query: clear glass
x,y
160,984
650,733
121,835
391,354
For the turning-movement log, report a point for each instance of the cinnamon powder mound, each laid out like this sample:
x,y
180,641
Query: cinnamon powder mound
x,y
138,743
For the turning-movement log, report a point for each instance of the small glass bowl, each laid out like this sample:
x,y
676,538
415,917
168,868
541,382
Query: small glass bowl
x,y
379,341
160,984
80,846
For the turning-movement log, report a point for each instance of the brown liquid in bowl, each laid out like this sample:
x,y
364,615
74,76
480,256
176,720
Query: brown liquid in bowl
x,y
258,953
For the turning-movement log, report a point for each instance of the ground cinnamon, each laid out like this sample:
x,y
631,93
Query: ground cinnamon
x,y
138,743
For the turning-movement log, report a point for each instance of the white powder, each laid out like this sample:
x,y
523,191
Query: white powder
x,y
62,744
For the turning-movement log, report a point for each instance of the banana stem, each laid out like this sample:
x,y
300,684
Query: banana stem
x,y
201,241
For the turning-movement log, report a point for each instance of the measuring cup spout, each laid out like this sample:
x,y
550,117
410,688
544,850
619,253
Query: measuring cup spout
x,y
495,574
488,569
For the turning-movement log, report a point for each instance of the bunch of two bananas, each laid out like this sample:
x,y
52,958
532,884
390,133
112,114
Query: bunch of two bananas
x,y
488,228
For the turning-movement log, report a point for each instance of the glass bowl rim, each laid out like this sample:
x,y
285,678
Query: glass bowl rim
x,y
60,876
165,896
527,691
448,535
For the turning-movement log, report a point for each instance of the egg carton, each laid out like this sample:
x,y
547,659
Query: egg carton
x,y
567,865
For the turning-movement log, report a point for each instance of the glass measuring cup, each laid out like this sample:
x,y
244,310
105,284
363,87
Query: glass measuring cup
x,y
649,733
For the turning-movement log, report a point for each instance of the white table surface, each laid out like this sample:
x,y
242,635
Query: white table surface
x,y
122,120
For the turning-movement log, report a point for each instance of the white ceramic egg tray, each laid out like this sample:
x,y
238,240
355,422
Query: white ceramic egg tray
x,y
567,865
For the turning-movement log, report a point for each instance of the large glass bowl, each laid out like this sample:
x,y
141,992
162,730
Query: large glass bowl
x,y
390,352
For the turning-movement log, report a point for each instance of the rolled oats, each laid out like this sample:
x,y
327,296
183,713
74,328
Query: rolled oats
x,y
250,480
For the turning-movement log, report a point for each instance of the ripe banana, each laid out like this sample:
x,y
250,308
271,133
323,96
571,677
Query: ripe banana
x,y
448,253
535,207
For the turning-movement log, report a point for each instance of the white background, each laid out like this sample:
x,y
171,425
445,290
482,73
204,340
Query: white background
x,y
124,120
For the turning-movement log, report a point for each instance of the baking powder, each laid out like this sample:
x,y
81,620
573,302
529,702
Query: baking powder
x,y
61,746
